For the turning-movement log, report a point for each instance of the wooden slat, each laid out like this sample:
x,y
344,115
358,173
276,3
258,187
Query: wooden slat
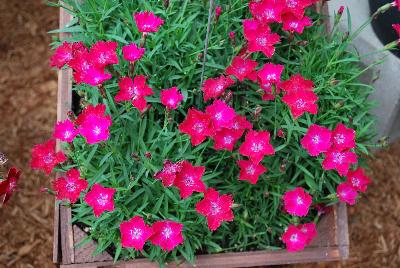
x,y
64,100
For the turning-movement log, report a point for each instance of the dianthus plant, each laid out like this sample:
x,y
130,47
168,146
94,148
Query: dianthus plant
x,y
164,161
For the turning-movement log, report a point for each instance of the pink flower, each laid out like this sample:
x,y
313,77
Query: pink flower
x,y
346,193
134,90
293,24
267,11
70,187
240,123
197,125
9,185
343,138
132,53
317,140
94,126
168,173
188,180
256,146
250,171
62,55
135,233
226,139
358,179
339,160
171,98
297,202
65,131
147,22
296,7
297,83
85,69
100,199
241,68
221,114
167,234
44,156
270,74
103,53
260,38
310,230
214,87
396,27
216,208
294,239
301,101
341,9
218,11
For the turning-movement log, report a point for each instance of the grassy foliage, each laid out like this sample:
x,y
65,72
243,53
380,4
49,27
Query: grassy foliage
x,y
172,59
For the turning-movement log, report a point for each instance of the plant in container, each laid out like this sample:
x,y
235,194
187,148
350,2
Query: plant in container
x,y
204,129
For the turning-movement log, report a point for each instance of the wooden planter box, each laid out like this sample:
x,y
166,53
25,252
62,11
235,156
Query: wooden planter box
x,y
331,244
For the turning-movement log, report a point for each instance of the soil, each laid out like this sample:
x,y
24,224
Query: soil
x,y
28,112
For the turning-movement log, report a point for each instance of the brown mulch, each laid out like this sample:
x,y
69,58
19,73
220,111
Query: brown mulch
x,y
28,112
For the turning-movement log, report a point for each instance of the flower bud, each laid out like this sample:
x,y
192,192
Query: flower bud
x,y
3,159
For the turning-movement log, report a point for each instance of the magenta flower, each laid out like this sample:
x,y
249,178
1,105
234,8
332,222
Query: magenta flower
x,y
86,71
256,146
250,171
216,208
294,239
346,193
167,234
241,68
65,131
301,101
297,202
339,160
100,199
168,174
260,38
44,156
221,114
240,123
132,53
171,98
218,11
147,22
297,83
343,138
188,180
226,139
9,185
293,24
103,53
197,125
317,140
135,233
134,91
70,187
62,55
310,230
358,179
214,87
93,124
296,7
267,11
270,74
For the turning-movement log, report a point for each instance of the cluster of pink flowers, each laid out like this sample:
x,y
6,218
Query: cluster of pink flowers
x,y
298,237
187,178
337,147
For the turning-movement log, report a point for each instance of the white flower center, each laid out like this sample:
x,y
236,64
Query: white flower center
x,y
315,139
198,127
338,158
102,200
67,134
167,232
257,147
339,138
215,208
96,130
70,186
293,238
300,103
299,201
136,233
355,181
48,158
228,140
250,170
188,181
